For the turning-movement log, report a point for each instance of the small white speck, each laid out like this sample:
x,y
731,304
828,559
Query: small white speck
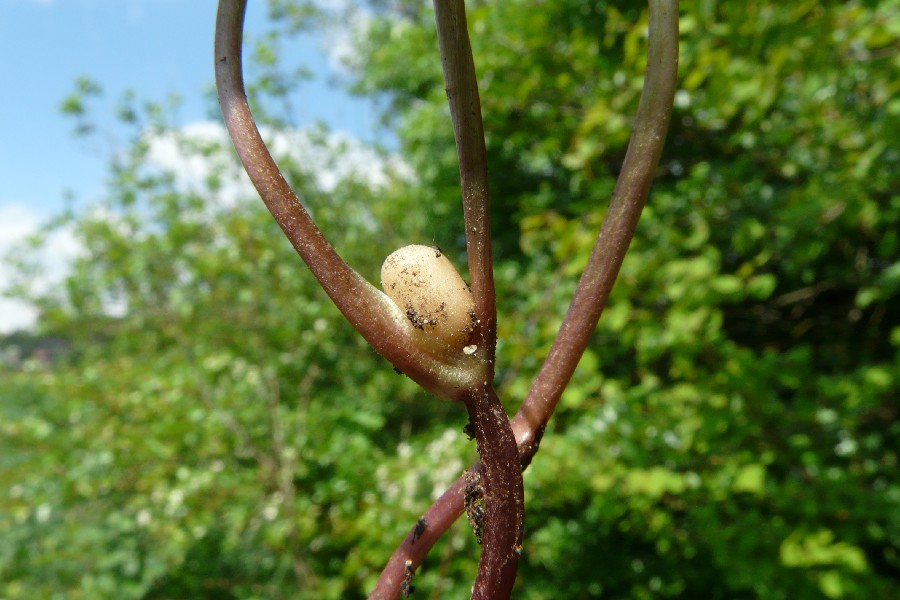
x,y
143,517
42,514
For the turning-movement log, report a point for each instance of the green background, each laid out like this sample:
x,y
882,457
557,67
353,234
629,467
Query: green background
x,y
732,431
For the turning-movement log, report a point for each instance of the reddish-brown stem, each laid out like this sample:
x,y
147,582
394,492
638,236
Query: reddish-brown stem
x,y
616,231
468,129
619,223
504,500
501,478
465,378
421,537
367,309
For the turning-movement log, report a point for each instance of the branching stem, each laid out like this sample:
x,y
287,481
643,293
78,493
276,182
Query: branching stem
x,y
367,309
468,377
501,475
616,231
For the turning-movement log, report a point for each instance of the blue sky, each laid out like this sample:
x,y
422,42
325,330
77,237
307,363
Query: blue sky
x,y
153,47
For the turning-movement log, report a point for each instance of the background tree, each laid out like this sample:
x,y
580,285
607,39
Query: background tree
x,y
732,431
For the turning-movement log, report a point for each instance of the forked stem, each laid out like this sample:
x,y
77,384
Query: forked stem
x,y
500,480
616,231
500,485
465,378
367,309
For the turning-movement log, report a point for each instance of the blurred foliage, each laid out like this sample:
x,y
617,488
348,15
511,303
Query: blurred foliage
x,y
214,430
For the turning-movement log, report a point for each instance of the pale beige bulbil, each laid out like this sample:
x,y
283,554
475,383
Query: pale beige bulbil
x,y
423,283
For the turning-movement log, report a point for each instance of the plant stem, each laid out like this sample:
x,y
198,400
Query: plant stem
x,y
365,307
504,499
468,129
619,223
415,546
629,196
504,504
501,476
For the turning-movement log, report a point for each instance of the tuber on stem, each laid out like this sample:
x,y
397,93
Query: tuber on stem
x,y
426,287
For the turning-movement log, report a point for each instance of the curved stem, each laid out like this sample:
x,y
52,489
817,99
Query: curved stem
x,y
468,129
501,478
420,539
618,226
368,310
619,223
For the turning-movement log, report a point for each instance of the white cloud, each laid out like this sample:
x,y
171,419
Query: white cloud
x,y
190,155
331,157
337,157
17,223
340,45
349,19
193,154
